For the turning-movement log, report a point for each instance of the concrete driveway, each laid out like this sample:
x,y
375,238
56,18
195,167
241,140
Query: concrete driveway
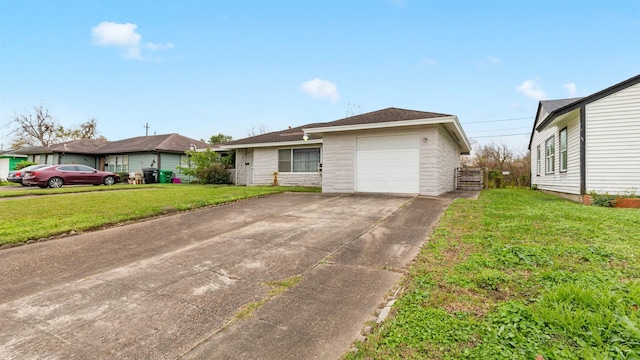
x,y
171,287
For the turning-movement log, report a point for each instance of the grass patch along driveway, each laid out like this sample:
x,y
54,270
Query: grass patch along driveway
x,y
519,274
24,218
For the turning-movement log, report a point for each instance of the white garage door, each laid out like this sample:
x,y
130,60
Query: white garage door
x,y
388,164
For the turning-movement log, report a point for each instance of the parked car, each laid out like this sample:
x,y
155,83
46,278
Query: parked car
x,y
15,176
55,176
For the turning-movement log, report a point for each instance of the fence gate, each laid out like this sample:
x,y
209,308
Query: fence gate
x,y
470,179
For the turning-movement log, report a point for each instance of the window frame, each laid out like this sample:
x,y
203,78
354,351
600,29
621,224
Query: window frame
x,y
118,163
286,164
550,156
564,152
538,161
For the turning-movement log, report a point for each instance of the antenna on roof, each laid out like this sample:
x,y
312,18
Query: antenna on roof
x,y
147,129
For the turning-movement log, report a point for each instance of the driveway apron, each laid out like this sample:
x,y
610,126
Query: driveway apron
x,y
172,287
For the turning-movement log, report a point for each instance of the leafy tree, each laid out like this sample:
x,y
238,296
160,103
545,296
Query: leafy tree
x,y
24,164
220,139
39,128
207,166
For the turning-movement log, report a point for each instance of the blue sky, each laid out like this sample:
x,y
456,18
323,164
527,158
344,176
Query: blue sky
x,y
200,68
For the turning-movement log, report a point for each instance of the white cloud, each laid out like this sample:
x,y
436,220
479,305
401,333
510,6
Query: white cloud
x,y
125,38
321,89
531,88
571,89
156,47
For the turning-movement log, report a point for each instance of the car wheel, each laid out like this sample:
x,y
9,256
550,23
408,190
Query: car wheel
x,y
109,180
55,182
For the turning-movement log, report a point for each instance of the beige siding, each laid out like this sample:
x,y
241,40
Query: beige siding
x,y
613,143
564,182
265,163
439,156
338,163
448,159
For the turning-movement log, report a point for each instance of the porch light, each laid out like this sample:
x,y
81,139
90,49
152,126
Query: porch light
x,y
305,137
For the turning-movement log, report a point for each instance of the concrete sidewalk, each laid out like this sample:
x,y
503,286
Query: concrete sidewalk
x,y
171,287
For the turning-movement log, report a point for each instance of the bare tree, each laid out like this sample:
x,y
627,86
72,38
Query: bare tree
x,y
352,109
505,166
257,130
33,129
492,156
86,130
39,128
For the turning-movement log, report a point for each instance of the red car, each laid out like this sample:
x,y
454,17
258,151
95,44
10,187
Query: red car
x,y
55,176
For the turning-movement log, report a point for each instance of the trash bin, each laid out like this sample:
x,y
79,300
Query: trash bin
x,y
164,176
150,175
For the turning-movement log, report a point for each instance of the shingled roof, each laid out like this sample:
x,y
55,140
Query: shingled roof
x,y
166,143
288,135
296,133
381,116
82,146
552,105
175,143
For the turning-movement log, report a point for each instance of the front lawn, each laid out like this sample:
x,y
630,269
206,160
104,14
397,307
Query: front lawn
x,y
58,211
518,274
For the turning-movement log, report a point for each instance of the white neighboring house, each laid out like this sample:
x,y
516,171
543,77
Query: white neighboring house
x,y
589,144
386,151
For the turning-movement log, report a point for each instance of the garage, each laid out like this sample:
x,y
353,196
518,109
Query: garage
x,y
388,164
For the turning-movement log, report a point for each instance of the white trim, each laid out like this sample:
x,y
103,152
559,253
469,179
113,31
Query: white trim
x,y
463,141
272,144
381,125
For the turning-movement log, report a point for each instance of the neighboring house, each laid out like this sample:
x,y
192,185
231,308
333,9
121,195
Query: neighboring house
x,y
589,144
165,152
386,151
8,163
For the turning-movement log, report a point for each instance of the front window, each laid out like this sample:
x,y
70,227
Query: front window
x,y
298,160
550,154
563,150
538,161
118,163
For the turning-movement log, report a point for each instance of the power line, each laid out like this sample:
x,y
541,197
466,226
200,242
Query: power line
x,y
489,136
486,121
485,130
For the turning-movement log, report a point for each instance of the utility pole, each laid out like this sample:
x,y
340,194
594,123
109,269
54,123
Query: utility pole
x,y
147,129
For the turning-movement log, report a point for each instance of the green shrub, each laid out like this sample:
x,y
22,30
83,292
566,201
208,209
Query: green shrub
x,y
24,164
124,176
207,166
604,200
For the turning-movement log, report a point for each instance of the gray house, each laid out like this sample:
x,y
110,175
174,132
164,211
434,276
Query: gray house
x,y
128,155
387,151
589,144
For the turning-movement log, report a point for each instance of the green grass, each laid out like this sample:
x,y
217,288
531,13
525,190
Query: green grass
x,y
56,211
518,274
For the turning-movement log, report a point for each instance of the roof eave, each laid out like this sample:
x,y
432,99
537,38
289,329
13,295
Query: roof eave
x,y
271,144
451,122
379,125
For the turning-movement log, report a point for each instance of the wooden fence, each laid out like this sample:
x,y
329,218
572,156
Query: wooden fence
x,y
470,179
